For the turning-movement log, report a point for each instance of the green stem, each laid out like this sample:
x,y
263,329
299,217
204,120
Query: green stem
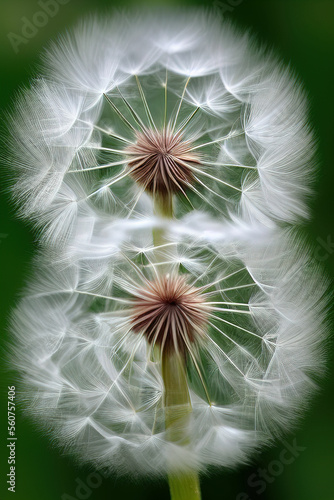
x,y
163,207
185,485
177,398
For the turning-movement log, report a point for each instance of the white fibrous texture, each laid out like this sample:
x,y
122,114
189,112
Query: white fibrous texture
x,y
92,377
241,115
163,159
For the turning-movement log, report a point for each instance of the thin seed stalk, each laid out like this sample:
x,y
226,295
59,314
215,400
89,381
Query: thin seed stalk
x,y
183,485
163,207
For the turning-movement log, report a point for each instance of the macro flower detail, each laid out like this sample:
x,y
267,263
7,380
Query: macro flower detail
x,y
161,162
170,313
173,324
89,347
137,104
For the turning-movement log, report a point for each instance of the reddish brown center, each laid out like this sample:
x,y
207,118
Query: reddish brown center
x,y
170,313
162,162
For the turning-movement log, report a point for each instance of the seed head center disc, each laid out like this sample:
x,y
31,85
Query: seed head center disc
x,y
161,161
170,313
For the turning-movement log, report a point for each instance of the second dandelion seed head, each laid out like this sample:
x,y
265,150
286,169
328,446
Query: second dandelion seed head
x,y
170,313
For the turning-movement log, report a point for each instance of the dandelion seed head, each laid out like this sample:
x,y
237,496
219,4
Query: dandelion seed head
x,y
138,116
158,162
178,104
244,311
170,313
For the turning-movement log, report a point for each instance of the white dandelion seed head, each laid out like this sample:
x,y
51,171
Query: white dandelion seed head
x,y
138,102
157,156
251,315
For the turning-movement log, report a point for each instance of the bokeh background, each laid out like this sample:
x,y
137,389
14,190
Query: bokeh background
x,y
302,33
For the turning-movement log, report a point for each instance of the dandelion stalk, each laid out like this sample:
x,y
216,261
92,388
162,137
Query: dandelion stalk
x,y
183,486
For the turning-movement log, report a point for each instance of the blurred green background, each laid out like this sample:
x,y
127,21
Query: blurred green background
x,y
302,33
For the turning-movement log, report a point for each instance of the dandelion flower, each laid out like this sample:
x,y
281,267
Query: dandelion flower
x,y
145,359
172,325
136,105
